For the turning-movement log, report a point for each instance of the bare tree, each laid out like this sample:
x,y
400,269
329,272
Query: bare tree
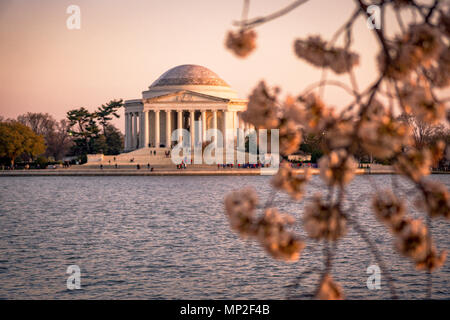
x,y
59,142
424,133
40,123
57,139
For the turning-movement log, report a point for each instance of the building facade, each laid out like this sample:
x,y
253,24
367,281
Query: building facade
x,y
189,97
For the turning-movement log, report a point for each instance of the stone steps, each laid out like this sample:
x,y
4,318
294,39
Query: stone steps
x,y
144,156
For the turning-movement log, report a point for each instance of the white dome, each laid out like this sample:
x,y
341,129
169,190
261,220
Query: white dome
x,y
189,74
192,78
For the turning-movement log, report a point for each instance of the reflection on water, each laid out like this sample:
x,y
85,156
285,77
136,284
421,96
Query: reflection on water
x,y
168,238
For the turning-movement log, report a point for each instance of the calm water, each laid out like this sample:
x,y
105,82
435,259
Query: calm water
x,y
168,238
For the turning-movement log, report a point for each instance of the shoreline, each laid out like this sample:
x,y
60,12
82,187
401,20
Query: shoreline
x,y
165,172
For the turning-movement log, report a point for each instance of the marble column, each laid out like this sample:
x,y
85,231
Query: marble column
x,y
225,128
130,130
141,130
146,129
215,124
203,126
135,130
180,124
126,131
241,123
168,128
157,133
192,119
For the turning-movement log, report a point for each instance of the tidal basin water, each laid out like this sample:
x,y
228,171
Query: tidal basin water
x,y
168,238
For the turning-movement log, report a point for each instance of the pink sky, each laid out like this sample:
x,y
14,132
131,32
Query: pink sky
x,y
123,46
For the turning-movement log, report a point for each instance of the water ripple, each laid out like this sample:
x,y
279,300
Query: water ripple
x,y
168,238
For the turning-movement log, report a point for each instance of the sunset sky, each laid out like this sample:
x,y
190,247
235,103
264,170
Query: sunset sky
x,y
123,46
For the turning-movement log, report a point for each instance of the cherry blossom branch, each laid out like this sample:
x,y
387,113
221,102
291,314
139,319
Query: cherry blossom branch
x,y
260,20
431,11
270,199
245,10
346,26
429,275
400,20
379,32
399,96
328,263
292,287
419,8
373,248
363,100
331,83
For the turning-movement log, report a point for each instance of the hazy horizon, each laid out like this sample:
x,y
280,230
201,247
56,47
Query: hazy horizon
x,y
123,46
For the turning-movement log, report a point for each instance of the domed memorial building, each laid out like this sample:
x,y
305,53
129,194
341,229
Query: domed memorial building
x,y
191,97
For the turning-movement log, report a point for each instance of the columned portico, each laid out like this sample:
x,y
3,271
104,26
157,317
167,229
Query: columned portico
x,y
190,97
139,133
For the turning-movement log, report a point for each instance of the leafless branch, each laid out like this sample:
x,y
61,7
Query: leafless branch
x,y
373,248
260,20
331,83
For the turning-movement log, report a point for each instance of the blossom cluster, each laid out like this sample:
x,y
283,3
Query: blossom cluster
x,y
329,289
412,66
262,109
414,164
270,229
437,198
337,167
388,208
418,101
414,242
381,134
412,236
323,221
315,51
315,114
444,22
242,42
439,72
288,180
418,47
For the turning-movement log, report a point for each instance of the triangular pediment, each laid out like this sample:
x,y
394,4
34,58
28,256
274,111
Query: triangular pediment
x,y
186,96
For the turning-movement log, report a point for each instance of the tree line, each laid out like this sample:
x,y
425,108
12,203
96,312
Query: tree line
x,y
40,138
35,136
423,134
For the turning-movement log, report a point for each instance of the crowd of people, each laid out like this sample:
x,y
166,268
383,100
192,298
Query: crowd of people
x,y
259,165
138,166
182,165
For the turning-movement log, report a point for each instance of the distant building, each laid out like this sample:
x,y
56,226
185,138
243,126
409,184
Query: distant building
x,y
69,158
177,99
299,156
